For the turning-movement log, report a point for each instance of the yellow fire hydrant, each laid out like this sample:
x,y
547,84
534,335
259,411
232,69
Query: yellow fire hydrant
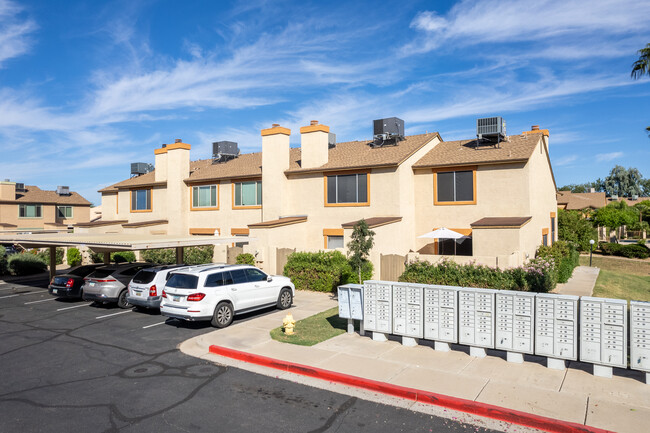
x,y
288,323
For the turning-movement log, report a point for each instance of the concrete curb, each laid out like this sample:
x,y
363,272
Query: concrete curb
x,y
459,404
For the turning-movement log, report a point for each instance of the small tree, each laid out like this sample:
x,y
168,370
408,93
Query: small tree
x,y
572,227
360,245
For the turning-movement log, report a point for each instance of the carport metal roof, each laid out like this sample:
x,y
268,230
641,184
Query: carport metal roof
x,y
116,241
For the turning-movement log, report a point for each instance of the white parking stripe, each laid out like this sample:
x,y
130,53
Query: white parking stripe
x,y
76,306
114,314
9,296
42,300
155,324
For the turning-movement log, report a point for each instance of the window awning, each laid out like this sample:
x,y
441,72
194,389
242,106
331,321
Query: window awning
x,y
277,223
501,222
374,222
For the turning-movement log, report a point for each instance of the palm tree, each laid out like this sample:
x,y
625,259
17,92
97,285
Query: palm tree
x,y
642,67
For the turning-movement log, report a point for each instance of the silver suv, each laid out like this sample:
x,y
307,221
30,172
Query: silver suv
x,y
108,283
146,287
217,293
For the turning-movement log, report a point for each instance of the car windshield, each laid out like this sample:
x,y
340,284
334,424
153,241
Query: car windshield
x,y
183,281
101,273
82,271
145,276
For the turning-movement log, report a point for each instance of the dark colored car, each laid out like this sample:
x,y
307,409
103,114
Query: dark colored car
x,y
109,283
69,285
10,249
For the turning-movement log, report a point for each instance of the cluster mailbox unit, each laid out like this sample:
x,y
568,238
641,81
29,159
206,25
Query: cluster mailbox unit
x,y
603,333
515,319
441,315
640,337
351,304
407,312
378,309
476,319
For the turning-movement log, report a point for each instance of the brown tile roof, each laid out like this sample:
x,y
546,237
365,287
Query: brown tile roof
x,y
34,194
359,154
244,166
518,148
143,180
374,222
145,223
630,201
581,200
101,223
278,223
501,222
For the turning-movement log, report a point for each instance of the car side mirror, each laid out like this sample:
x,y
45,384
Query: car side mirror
x,y
269,278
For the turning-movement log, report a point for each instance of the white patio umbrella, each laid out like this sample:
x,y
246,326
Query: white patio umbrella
x,y
442,233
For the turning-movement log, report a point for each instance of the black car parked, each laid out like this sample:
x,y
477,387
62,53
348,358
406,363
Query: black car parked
x,y
69,285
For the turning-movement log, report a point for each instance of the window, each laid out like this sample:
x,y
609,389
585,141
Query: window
x,y
247,193
205,196
455,247
183,281
141,200
255,275
552,228
30,211
455,187
64,211
347,189
238,276
214,280
545,240
334,242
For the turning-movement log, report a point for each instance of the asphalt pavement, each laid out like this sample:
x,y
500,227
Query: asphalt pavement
x,y
72,366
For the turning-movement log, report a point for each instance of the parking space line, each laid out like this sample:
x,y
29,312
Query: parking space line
x,y
155,324
42,300
114,314
75,306
9,296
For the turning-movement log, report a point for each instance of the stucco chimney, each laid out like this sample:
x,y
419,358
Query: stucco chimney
x,y
8,190
314,145
178,197
275,160
160,163
535,128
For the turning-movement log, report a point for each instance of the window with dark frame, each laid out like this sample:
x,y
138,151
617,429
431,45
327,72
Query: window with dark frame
x,y
30,211
455,247
64,211
204,196
347,188
552,230
248,193
545,240
453,186
141,199
334,242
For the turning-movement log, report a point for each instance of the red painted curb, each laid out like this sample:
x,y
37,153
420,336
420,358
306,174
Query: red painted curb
x,y
459,404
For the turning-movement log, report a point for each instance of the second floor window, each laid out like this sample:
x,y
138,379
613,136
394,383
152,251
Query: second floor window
x,y
248,193
64,211
204,196
455,187
30,211
141,200
347,189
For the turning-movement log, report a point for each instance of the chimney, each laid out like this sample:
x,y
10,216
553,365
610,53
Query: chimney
x,y
314,145
275,160
160,163
7,190
177,156
535,128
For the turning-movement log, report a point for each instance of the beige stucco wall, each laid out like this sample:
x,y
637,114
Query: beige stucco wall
x,y
9,214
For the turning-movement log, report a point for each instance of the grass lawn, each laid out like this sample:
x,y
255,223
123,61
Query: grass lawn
x,y
621,278
314,329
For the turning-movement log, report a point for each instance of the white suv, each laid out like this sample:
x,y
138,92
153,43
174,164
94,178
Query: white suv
x,y
217,293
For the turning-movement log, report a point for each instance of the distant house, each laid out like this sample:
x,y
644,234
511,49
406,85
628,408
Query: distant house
x,y
581,200
499,196
27,207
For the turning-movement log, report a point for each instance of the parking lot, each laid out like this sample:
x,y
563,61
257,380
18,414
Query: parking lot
x,y
70,365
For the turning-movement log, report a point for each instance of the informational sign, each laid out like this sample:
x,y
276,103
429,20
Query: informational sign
x,y
603,331
476,317
350,299
640,335
407,310
515,321
441,313
377,306
556,326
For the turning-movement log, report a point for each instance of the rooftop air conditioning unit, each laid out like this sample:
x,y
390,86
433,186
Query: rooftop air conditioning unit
x,y
331,140
635,197
491,128
224,150
20,186
63,190
387,131
614,197
140,168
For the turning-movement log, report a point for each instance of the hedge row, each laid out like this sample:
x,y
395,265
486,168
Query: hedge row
x,y
635,251
167,256
323,271
3,261
26,264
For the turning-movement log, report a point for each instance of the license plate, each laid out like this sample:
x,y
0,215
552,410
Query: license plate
x,y
138,294
55,291
91,284
176,298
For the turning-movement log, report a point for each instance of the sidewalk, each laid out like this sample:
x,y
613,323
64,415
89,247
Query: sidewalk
x,y
621,403
581,283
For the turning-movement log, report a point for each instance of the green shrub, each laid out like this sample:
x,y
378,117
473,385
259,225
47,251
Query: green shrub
x,y
26,264
321,271
630,251
541,275
122,256
162,256
3,261
45,255
245,259
565,258
353,277
573,227
74,256
198,255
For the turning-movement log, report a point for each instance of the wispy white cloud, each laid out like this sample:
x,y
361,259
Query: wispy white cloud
x,y
606,157
15,31
565,160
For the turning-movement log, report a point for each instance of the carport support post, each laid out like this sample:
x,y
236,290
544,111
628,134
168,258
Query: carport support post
x,y
107,258
52,262
179,255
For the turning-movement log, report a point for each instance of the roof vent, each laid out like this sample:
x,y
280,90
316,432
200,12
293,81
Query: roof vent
x,y
20,187
140,168
178,140
387,132
331,140
491,130
63,190
223,151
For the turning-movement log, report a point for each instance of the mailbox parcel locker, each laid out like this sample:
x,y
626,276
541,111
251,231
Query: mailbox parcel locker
x,y
377,306
603,331
441,313
556,326
515,320
351,301
640,336
407,310
476,317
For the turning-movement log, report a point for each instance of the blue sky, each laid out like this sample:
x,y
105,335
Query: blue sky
x,y
86,87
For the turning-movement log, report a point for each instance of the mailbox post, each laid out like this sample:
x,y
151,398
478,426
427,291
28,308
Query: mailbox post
x,y
441,316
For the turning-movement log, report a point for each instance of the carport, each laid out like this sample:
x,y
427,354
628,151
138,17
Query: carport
x,y
111,242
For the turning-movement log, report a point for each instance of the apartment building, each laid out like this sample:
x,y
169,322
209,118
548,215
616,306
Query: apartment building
x,y
500,195
27,207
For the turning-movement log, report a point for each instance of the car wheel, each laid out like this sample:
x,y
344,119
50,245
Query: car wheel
x,y
285,299
223,315
121,300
